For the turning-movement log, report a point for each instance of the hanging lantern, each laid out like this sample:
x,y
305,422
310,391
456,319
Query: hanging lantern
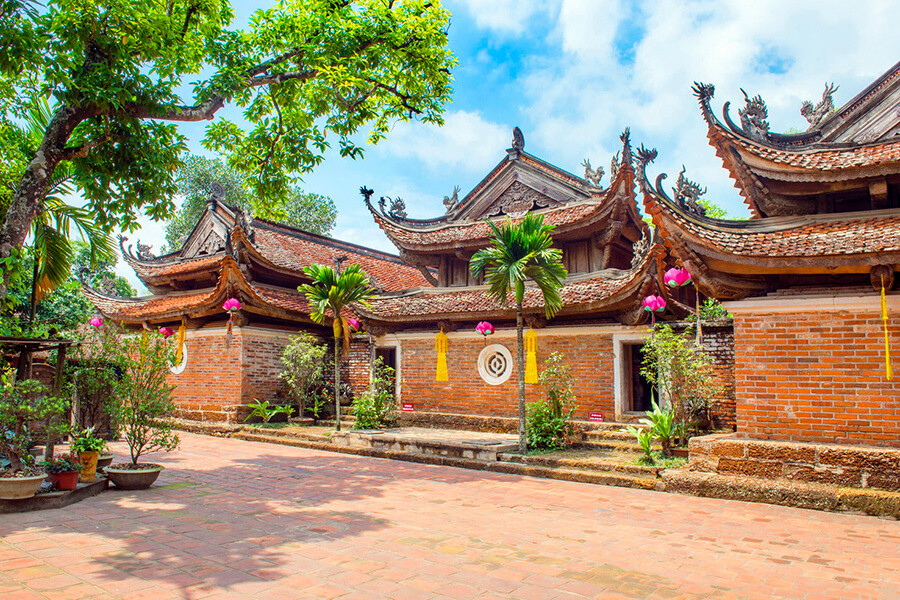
x,y
231,306
96,322
676,278
531,346
484,328
654,304
441,345
166,332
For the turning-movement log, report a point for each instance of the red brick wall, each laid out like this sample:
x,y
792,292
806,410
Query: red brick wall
x,y
718,343
589,356
816,377
209,388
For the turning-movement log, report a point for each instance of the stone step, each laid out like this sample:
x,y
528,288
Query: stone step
x,y
614,444
469,445
609,434
623,465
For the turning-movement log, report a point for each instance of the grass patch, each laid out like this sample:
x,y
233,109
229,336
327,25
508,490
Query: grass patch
x,y
658,460
269,425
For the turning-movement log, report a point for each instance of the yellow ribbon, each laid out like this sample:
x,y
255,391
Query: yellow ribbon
x,y
339,324
888,372
531,346
179,349
441,344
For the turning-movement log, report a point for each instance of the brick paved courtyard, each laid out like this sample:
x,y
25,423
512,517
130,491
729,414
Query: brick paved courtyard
x,y
235,519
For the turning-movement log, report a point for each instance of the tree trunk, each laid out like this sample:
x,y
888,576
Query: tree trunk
x,y
520,374
337,384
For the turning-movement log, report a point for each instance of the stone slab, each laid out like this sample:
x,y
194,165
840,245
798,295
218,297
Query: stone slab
x,y
51,500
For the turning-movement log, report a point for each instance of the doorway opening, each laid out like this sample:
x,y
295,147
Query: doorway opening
x,y
638,389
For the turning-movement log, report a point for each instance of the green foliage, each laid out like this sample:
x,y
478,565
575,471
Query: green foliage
x,y
87,441
62,463
681,372
304,73
664,426
644,437
94,369
547,424
261,410
307,211
377,407
143,396
710,310
303,369
23,403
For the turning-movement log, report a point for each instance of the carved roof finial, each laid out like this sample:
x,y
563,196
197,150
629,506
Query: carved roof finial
x,y
216,194
626,146
518,141
818,113
754,117
592,176
397,211
451,202
366,193
687,194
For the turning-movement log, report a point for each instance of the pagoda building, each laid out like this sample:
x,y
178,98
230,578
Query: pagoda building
x,y
612,263
809,277
230,254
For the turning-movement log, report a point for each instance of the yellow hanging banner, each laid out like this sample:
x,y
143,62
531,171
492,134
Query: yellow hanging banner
x,y
441,344
531,346
179,350
888,372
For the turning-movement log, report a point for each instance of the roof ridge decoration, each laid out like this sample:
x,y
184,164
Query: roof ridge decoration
x,y
814,115
754,117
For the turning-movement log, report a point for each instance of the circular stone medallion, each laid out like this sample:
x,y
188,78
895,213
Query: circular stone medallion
x,y
495,364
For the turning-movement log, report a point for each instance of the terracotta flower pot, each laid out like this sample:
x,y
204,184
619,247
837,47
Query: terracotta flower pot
x,y
89,465
16,488
104,461
64,481
126,477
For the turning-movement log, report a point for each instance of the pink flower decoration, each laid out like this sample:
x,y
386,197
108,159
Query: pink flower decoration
x,y
654,304
677,277
232,305
96,322
166,331
353,323
484,328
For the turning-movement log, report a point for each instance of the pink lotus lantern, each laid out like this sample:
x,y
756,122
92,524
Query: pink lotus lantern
x,y
677,277
484,328
166,332
96,322
654,304
231,306
353,323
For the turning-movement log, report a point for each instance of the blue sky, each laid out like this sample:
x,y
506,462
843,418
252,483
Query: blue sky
x,y
574,73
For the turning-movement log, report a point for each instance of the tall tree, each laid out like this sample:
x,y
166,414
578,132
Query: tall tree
x,y
305,73
332,291
307,211
518,253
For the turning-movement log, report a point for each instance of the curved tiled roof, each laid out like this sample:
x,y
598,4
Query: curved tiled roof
x,y
138,309
170,269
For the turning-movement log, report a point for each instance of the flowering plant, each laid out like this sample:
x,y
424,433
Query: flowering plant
x,y
232,305
166,331
96,322
484,328
677,277
654,304
62,463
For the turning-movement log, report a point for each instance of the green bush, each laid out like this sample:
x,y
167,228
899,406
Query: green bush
x,y
22,404
303,372
377,407
261,409
547,424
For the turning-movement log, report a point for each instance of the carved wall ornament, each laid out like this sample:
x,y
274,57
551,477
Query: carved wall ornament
x,y
495,364
592,176
754,117
816,114
211,244
641,248
451,202
879,272
518,199
688,193
518,141
397,209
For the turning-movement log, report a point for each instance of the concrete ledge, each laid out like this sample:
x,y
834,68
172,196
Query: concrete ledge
x,y
55,499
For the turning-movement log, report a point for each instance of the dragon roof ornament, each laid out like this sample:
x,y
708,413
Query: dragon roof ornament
x,y
818,113
592,176
451,202
754,117
688,193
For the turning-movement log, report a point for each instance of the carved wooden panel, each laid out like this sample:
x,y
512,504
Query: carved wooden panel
x,y
577,257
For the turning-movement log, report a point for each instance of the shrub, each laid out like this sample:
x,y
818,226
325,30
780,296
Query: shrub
x,y
22,404
645,439
302,371
547,425
262,410
377,407
663,426
94,368
144,397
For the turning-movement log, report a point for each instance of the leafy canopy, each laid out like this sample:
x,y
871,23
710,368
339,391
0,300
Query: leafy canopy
x,y
519,252
306,74
330,291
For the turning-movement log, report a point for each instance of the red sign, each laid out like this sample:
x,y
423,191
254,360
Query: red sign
x,y
408,407
594,416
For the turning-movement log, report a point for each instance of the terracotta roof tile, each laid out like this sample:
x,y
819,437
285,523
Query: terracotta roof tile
x,y
182,267
286,299
147,306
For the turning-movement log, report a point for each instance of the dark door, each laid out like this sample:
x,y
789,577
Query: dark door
x,y
639,387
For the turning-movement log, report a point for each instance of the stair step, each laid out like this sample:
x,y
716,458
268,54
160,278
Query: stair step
x,y
596,465
609,434
613,444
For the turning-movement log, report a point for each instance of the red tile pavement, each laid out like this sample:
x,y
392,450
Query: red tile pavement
x,y
244,520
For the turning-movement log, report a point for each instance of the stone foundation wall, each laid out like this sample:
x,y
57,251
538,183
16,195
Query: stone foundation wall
x,y
842,465
816,376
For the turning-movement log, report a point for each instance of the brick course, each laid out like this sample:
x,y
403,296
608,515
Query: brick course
x,y
816,377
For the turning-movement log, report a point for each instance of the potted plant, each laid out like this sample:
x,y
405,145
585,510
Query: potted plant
x,y
143,401
88,447
22,404
63,470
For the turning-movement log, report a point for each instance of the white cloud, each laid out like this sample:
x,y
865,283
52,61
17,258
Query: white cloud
x,y
466,141
504,16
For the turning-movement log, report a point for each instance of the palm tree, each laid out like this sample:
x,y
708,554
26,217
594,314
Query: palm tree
x,y
52,228
332,290
519,252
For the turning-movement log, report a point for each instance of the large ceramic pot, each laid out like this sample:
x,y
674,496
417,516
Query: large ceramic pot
x,y
64,481
126,477
16,488
88,465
